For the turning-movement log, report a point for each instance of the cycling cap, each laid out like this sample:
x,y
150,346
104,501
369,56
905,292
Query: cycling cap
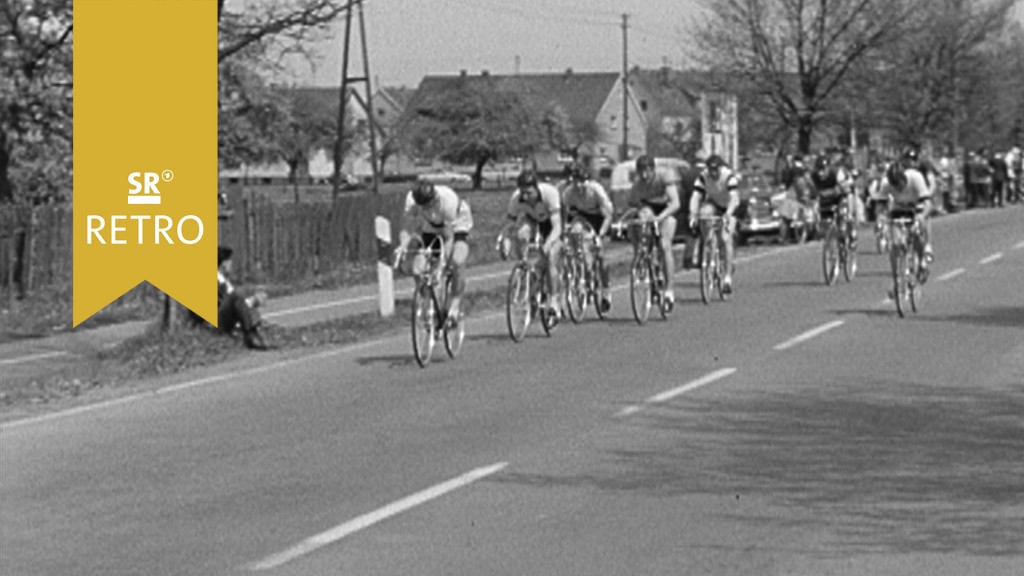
x,y
424,192
715,161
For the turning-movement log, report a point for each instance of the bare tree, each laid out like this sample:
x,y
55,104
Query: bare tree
x,y
796,53
920,86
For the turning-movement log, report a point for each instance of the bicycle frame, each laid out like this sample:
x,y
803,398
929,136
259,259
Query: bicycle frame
x,y
648,281
712,257
430,305
527,301
905,235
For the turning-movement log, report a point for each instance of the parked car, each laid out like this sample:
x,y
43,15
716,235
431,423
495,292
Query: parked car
x,y
757,214
446,177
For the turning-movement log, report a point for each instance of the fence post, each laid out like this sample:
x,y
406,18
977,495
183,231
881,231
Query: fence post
x,y
385,281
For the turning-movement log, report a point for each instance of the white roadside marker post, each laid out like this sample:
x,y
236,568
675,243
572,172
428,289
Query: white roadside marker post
x,y
385,280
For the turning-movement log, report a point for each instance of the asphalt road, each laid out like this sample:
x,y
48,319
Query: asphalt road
x,y
798,429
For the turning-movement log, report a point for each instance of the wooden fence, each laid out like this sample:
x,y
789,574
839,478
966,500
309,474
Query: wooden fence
x,y
273,242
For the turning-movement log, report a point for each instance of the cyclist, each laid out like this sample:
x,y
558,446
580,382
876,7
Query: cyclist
x,y
655,195
537,207
589,208
433,211
716,193
834,188
910,196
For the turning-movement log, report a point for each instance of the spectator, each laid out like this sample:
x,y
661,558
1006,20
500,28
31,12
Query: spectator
x,y
999,179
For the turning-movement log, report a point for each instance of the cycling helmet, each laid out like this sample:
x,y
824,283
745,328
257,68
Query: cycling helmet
x,y
822,163
644,162
527,179
424,193
910,155
895,176
715,162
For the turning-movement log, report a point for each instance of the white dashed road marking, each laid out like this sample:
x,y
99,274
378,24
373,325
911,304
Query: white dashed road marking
x,y
809,334
991,258
669,394
951,274
346,529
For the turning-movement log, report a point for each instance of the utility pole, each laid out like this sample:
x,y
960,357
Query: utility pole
x,y
624,153
365,101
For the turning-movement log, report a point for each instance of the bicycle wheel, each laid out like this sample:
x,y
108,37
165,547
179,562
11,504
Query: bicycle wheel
x,y
423,324
454,329
576,286
849,256
830,255
899,278
518,302
659,284
594,288
548,320
640,287
913,287
720,274
708,259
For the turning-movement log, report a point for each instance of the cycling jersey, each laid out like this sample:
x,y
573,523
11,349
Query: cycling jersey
x,y
720,191
446,211
915,190
653,193
830,185
587,197
547,203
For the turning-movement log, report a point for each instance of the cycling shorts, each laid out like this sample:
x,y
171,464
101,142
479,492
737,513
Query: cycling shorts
x,y
594,221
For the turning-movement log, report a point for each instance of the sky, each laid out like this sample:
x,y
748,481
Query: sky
x,y
409,39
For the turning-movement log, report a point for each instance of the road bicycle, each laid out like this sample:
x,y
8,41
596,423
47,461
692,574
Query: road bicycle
x,y
528,295
712,258
582,282
839,249
907,273
430,305
648,281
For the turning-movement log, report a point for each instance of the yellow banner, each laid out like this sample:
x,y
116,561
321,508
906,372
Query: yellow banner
x,y
145,151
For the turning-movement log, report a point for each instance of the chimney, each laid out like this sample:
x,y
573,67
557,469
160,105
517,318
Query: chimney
x,y
462,73
568,73
485,73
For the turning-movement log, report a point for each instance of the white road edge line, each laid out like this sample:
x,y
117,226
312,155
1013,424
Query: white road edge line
x,y
991,258
702,381
809,334
32,357
341,531
951,274
342,350
1018,245
212,379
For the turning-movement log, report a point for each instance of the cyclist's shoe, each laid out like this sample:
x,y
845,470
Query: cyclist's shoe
x,y
727,284
670,298
606,303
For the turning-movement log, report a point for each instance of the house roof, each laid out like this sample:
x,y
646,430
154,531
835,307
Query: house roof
x,y
579,95
670,92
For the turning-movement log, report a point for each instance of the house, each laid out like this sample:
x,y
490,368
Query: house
x,y
321,104
588,104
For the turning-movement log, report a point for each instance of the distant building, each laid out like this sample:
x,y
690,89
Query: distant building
x,y
591,103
